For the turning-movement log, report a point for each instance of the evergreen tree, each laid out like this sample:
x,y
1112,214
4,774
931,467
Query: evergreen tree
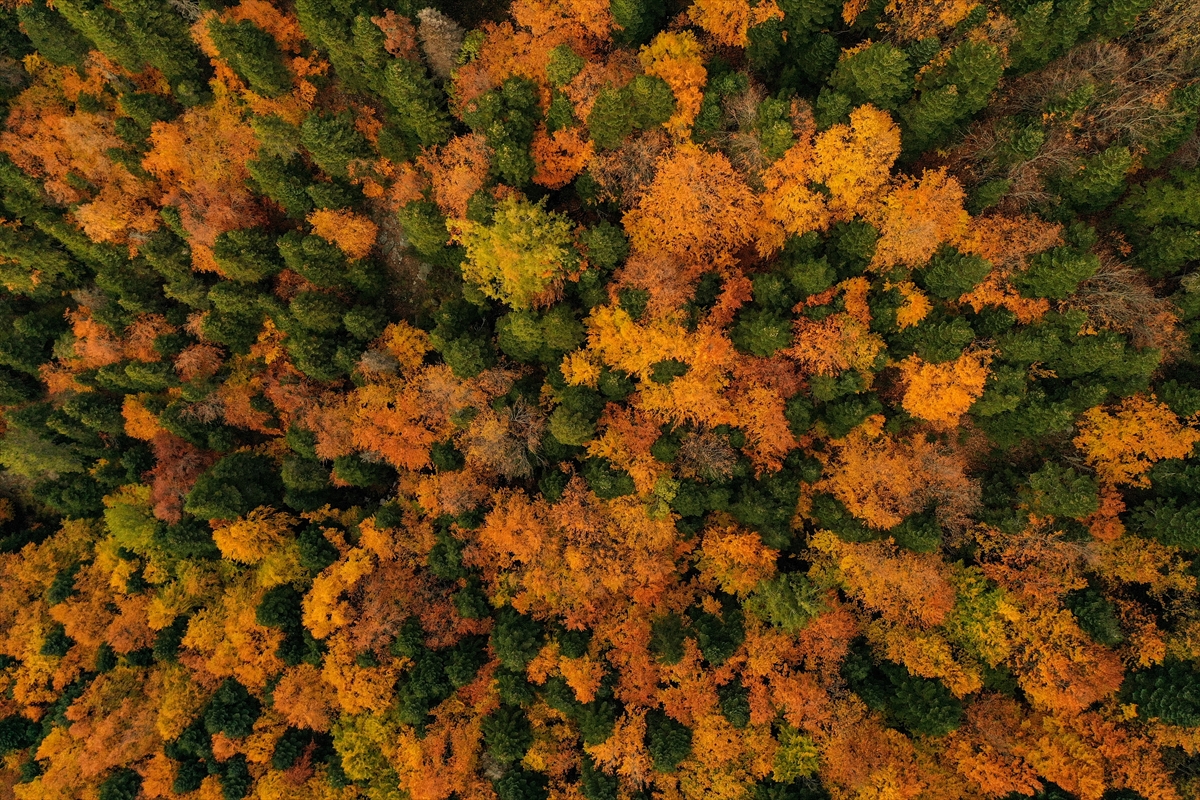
x,y
878,74
124,784
950,274
234,486
253,54
52,35
249,255
231,711
1169,691
516,638
1055,273
333,142
1098,181
669,742
507,734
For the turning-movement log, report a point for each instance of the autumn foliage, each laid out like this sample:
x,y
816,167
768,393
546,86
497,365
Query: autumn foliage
x,y
599,400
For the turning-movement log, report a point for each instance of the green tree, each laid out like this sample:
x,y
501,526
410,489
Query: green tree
x,y
52,36
507,117
637,20
232,710
123,784
789,600
595,783
507,734
333,142
920,705
1096,615
317,311
669,742
878,74
950,274
253,54
17,733
1056,273
519,783
234,486
516,638
1165,520
248,255
1062,492
1097,181
667,636
418,112
1169,691
761,332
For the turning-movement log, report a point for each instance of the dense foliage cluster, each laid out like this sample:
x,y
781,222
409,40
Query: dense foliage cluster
x,y
599,399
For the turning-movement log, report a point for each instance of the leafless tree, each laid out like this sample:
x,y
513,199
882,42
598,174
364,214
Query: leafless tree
x,y
441,39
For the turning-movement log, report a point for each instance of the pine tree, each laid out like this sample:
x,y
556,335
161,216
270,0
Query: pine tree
x,y
669,742
1062,492
1055,273
249,255
232,710
52,36
1098,181
950,274
516,638
235,485
333,142
878,74
507,734
1168,691
253,54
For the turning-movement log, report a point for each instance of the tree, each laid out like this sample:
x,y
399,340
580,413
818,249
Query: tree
x,y
248,255
507,734
854,161
1098,181
1124,444
877,74
233,487
124,784
1056,273
333,142
231,711
516,638
668,741
950,273
523,254
942,393
507,118
253,54
697,208
1169,691
729,20
252,537
675,58
920,705
1062,492
915,220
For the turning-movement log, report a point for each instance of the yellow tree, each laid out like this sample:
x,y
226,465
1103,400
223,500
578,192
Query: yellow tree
x,y
915,218
728,20
676,57
697,209
521,257
854,161
942,393
791,206
1124,443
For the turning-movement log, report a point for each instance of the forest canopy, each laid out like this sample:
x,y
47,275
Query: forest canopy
x,y
599,399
